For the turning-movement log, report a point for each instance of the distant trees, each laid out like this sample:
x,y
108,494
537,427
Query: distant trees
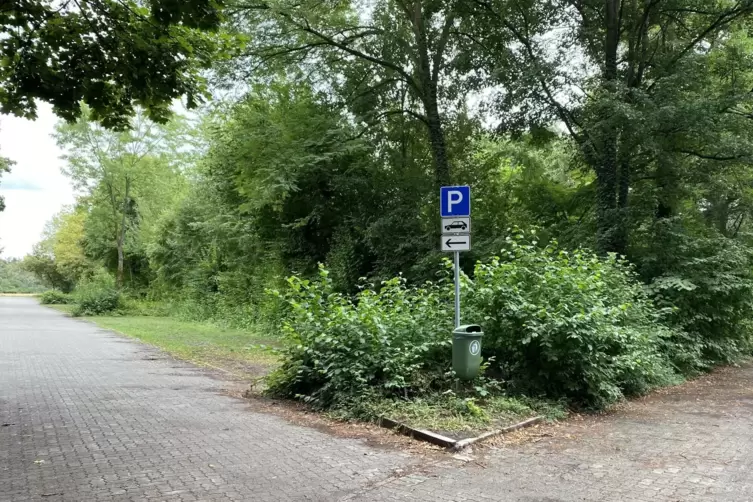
x,y
14,278
115,172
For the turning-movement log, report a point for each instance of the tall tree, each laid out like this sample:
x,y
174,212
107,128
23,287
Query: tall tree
x,y
602,68
41,261
391,58
5,165
67,245
111,168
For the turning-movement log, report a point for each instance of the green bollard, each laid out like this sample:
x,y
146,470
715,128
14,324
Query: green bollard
x,y
466,351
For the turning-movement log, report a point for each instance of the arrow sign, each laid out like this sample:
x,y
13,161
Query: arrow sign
x,y
455,243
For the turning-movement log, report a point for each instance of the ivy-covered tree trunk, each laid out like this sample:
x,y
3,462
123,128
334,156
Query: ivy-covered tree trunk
x,y
722,216
623,210
437,139
428,76
609,222
664,189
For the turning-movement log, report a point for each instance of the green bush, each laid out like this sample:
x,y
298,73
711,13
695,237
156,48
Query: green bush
x,y
97,303
97,296
707,283
568,324
54,297
565,325
337,349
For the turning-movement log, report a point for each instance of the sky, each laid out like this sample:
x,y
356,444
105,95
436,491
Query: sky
x,y
35,189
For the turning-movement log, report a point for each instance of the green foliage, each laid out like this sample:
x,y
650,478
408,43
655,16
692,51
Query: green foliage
x,y
127,180
140,307
58,260
525,182
707,284
14,278
41,263
97,296
337,348
54,297
109,54
5,165
447,412
283,183
567,323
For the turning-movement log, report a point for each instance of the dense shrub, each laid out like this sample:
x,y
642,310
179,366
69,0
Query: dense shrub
x,y
54,297
97,296
557,323
337,348
97,303
707,282
568,324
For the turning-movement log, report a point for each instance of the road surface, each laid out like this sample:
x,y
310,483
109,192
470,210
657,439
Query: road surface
x,y
87,415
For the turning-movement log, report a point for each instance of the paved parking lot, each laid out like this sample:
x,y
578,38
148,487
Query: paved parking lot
x,y
86,415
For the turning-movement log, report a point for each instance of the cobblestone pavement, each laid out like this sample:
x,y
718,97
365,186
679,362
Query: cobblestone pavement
x,y
87,415
92,416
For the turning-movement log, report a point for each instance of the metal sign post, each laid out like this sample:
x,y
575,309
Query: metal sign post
x,y
455,210
457,288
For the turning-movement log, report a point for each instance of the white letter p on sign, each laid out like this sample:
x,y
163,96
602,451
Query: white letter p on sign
x,y
453,197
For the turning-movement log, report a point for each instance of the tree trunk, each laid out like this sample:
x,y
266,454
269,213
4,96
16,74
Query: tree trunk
x,y
664,189
623,212
437,140
719,214
122,233
428,90
606,206
607,230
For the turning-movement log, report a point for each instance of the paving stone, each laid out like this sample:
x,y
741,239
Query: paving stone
x,y
95,418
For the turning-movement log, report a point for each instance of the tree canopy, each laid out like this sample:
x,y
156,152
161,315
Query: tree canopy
x,y
112,55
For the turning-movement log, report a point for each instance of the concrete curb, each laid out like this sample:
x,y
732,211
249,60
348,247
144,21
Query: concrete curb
x,y
423,435
449,443
464,443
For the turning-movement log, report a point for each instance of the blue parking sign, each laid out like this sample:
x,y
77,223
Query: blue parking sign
x,y
455,201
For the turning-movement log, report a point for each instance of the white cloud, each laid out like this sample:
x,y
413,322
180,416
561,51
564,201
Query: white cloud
x,y
35,189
